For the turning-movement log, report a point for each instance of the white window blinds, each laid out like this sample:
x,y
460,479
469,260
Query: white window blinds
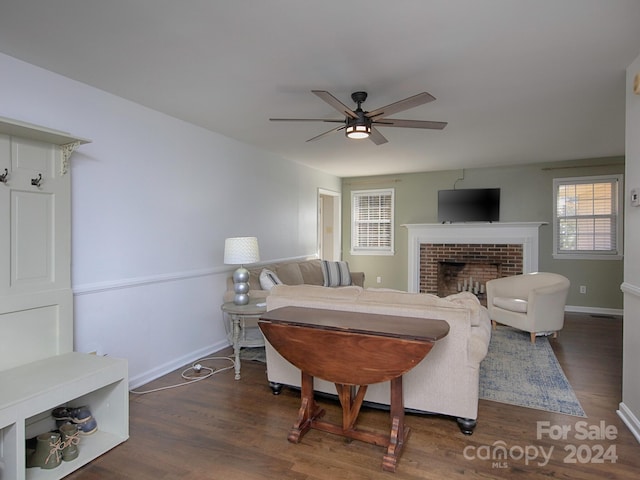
x,y
372,222
587,218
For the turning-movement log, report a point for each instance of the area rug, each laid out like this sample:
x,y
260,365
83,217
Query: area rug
x,y
517,372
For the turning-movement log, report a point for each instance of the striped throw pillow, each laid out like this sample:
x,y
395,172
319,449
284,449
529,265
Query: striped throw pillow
x,y
336,274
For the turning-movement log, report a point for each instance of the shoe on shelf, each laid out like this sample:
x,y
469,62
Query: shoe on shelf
x,y
80,416
69,435
73,414
48,451
86,428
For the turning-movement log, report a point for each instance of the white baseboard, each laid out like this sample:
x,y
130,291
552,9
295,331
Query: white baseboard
x,y
630,420
593,310
168,367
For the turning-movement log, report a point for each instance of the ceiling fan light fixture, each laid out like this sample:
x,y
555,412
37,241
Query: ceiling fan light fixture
x,y
358,132
358,124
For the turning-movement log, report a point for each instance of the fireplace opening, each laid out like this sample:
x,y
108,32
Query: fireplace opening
x,y
454,277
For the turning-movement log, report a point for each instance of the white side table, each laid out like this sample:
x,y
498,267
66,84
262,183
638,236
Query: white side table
x,y
242,333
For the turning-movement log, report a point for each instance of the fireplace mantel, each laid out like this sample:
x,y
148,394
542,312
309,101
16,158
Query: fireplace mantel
x,y
524,233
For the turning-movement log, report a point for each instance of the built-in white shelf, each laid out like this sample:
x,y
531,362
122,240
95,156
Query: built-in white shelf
x,y
38,370
17,128
29,393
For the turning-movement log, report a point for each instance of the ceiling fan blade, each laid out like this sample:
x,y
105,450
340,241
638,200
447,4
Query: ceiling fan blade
x,y
405,104
376,137
335,103
391,122
326,133
305,120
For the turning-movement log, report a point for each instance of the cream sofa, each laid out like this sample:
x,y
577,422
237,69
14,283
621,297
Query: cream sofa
x,y
446,382
295,272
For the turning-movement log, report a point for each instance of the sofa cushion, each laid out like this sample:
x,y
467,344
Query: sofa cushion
x,y
335,274
311,272
254,278
464,300
268,279
349,293
289,273
512,304
387,295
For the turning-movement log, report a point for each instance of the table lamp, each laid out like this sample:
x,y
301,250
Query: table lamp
x,y
240,251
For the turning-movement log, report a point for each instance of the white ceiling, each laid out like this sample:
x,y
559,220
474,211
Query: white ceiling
x,y
519,81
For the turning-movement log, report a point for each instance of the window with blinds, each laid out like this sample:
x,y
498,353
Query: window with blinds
x,y
587,217
372,222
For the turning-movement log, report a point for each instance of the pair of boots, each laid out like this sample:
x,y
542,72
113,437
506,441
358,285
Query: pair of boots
x,y
52,448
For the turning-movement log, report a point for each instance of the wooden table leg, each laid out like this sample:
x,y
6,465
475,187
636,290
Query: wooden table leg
x,y
310,413
350,404
309,410
399,433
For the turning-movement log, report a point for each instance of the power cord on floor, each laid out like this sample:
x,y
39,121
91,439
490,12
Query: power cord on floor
x,y
196,368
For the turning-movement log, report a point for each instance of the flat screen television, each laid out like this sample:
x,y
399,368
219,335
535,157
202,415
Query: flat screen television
x,y
469,205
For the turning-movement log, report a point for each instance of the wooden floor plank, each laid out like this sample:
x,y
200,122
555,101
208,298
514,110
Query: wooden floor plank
x,y
223,428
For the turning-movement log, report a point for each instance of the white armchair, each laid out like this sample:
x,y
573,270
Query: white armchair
x,y
533,302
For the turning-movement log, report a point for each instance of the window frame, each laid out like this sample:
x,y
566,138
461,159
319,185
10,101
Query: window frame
x,y
616,253
360,250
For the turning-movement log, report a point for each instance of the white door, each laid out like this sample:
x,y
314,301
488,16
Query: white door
x,y
36,306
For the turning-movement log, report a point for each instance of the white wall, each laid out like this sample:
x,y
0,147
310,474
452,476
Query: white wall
x,y
153,200
630,406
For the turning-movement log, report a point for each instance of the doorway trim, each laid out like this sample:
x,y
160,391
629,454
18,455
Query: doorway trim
x,y
329,224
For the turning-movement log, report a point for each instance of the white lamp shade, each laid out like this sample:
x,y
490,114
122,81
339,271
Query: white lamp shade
x,y
241,250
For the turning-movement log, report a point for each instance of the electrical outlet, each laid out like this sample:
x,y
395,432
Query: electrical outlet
x,y
583,289
378,279
93,349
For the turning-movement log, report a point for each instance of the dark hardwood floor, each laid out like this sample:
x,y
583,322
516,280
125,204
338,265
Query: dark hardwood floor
x,y
226,429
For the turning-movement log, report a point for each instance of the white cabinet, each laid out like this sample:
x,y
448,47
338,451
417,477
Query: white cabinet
x,y
29,393
36,301
38,369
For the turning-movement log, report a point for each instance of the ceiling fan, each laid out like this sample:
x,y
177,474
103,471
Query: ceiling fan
x,y
359,124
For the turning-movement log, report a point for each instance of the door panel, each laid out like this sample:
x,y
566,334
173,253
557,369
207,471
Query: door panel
x,y
32,254
27,334
33,157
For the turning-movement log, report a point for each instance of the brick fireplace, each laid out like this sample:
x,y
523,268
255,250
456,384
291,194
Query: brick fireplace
x,y
442,255
447,268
